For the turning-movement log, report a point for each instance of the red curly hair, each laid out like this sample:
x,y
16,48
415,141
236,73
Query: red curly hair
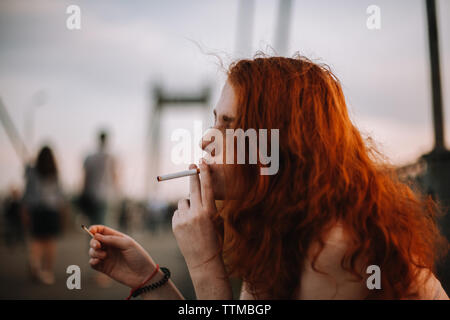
x,y
327,173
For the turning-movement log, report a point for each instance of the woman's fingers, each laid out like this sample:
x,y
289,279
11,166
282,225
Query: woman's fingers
x,y
206,187
94,262
183,204
97,254
104,230
194,189
95,244
118,242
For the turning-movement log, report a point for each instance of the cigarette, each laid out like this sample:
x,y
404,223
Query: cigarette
x,y
87,230
180,174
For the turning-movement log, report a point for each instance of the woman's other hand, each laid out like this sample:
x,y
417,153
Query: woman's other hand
x,y
119,256
191,222
197,239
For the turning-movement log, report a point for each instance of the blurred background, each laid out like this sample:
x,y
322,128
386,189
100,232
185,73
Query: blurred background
x,y
106,98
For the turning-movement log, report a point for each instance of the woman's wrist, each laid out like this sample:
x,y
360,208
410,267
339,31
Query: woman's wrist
x,y
142,278
162,289
154,275
211,280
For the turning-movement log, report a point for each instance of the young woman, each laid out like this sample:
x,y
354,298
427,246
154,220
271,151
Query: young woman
x,y
44,206
311,230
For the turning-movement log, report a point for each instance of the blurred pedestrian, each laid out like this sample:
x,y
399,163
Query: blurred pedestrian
x,y
12,208
43,206
100,182
157,211
125,215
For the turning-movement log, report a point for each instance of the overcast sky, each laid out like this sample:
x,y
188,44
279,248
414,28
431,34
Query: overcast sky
x,y
101,75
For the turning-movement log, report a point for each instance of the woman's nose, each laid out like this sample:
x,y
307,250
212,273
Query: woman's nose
x,y
206,140
204,143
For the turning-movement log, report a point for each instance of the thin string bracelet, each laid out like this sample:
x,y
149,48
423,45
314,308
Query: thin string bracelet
x,y
143,283
154,285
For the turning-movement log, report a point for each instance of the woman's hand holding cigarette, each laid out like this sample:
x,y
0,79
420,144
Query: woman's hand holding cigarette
x,y
123,259
197,239
119,256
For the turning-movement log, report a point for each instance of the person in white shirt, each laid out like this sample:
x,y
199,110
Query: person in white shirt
x,y
100,181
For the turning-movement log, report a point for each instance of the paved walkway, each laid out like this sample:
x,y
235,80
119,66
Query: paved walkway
x,y
15,282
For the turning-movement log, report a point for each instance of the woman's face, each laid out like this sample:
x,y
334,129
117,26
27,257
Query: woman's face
x,y
224,118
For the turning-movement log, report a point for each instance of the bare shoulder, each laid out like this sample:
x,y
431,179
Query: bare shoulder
x,y
329,280
335,244
429,287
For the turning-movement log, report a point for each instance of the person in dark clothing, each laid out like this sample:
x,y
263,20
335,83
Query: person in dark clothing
x,y
44,206
12,209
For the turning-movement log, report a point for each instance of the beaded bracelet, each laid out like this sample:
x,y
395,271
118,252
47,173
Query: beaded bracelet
x,y
153,285
142,284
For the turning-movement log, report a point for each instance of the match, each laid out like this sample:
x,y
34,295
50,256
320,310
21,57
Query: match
x,y
87,230
178,174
